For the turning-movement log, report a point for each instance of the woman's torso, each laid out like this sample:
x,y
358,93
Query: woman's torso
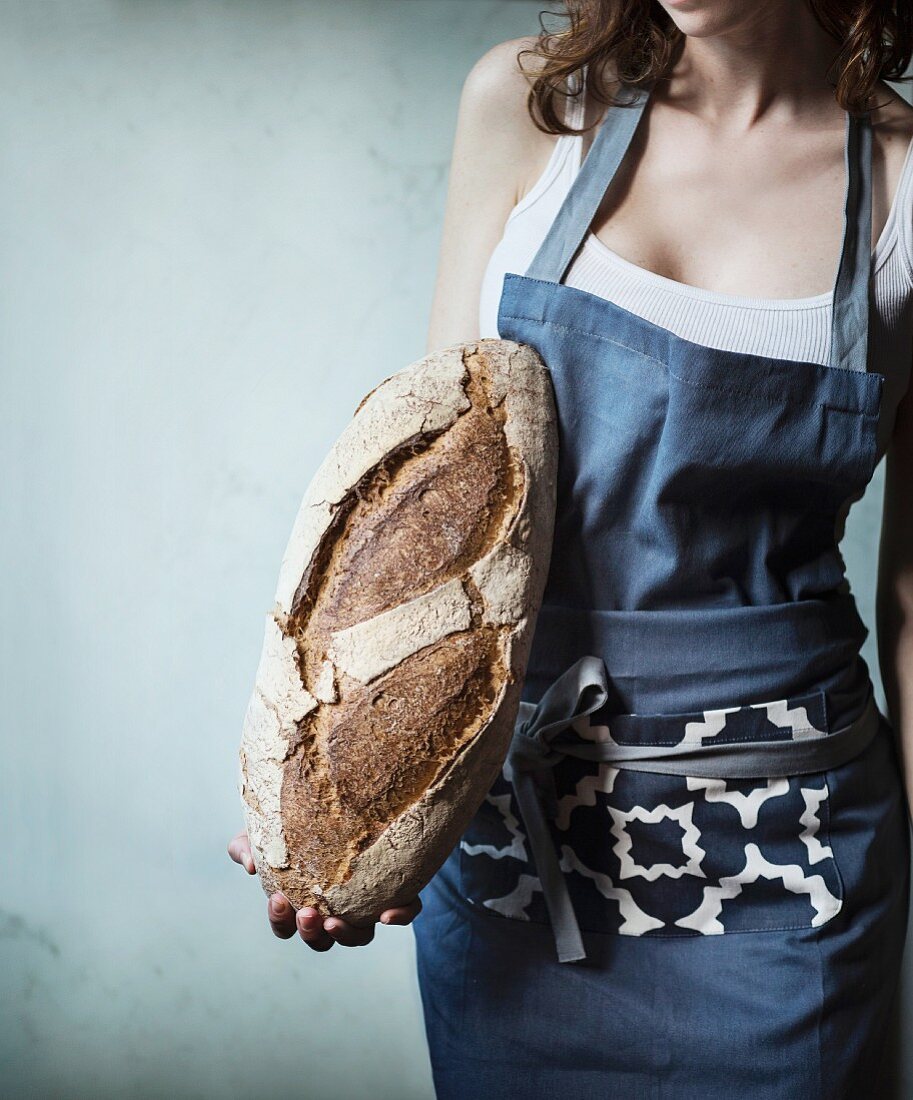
x,y
787,327
693,561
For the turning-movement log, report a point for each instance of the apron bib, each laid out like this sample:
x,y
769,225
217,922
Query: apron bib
x,y
698,751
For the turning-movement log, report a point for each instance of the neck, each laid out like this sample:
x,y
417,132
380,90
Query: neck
x,y
769,61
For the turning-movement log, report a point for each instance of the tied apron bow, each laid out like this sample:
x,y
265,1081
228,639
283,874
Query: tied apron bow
x,y
582,689
579,690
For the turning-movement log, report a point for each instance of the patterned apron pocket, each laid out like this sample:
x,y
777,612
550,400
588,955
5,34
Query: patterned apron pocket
x,y
680,855
670,855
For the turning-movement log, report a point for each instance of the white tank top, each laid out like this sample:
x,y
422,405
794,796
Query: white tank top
x,y
782,328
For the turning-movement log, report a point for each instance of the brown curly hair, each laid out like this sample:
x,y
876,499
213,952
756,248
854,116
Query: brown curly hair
x,y
641,41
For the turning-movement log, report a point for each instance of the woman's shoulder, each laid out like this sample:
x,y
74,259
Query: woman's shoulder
x,y
891,110
892,125
495,100
503,75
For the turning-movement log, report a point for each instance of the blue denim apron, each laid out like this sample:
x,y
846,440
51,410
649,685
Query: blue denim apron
x,y
701,809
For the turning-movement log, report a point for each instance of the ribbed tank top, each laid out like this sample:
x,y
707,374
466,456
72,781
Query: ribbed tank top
x,y
782,328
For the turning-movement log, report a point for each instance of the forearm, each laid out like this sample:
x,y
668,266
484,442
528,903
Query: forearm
x,y
894,600
895,648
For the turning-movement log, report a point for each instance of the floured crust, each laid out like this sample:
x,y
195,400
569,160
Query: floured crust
x,y
392,664
368,648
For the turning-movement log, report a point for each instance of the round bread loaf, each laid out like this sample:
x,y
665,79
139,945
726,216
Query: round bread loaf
x,y
391,670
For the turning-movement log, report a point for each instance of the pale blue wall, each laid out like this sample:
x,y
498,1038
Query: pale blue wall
x,y
218,228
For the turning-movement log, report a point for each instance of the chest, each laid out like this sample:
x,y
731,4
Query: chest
x,y
757,214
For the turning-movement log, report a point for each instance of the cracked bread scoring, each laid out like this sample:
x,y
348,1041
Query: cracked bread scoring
x,y
392,662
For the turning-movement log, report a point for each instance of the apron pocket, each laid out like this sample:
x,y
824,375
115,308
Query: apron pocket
x,y
663,855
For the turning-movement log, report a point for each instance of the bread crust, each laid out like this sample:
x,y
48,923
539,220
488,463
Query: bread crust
x,y
393,659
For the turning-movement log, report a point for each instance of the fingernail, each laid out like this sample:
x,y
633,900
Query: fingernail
x,y
385,918
331,925
277,903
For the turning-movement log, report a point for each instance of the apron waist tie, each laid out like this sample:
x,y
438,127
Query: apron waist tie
x,y
582,689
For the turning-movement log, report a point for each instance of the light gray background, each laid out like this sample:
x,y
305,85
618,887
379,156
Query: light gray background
x,y
218,229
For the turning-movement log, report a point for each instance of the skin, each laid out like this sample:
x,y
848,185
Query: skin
x,y
733,183
744,144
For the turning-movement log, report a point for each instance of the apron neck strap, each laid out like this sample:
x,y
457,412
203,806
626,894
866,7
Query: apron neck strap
x,y
850,320
572,222
850,316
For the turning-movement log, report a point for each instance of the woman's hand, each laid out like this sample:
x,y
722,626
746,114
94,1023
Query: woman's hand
x,y
318,933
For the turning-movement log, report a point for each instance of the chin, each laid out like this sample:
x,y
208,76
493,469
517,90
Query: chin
x,y
706,18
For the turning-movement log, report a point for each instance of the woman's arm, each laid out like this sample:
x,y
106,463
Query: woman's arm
x,y
894,607
498,153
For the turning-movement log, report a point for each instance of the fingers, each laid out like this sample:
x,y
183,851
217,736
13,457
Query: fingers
x,y
349,935
239,850
281,916
310,928
321,933
402,914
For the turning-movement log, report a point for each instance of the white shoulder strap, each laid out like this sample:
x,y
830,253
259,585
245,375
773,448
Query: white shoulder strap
x,y
576,108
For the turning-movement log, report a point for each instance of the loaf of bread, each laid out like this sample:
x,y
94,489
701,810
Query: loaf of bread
x,y
391,670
